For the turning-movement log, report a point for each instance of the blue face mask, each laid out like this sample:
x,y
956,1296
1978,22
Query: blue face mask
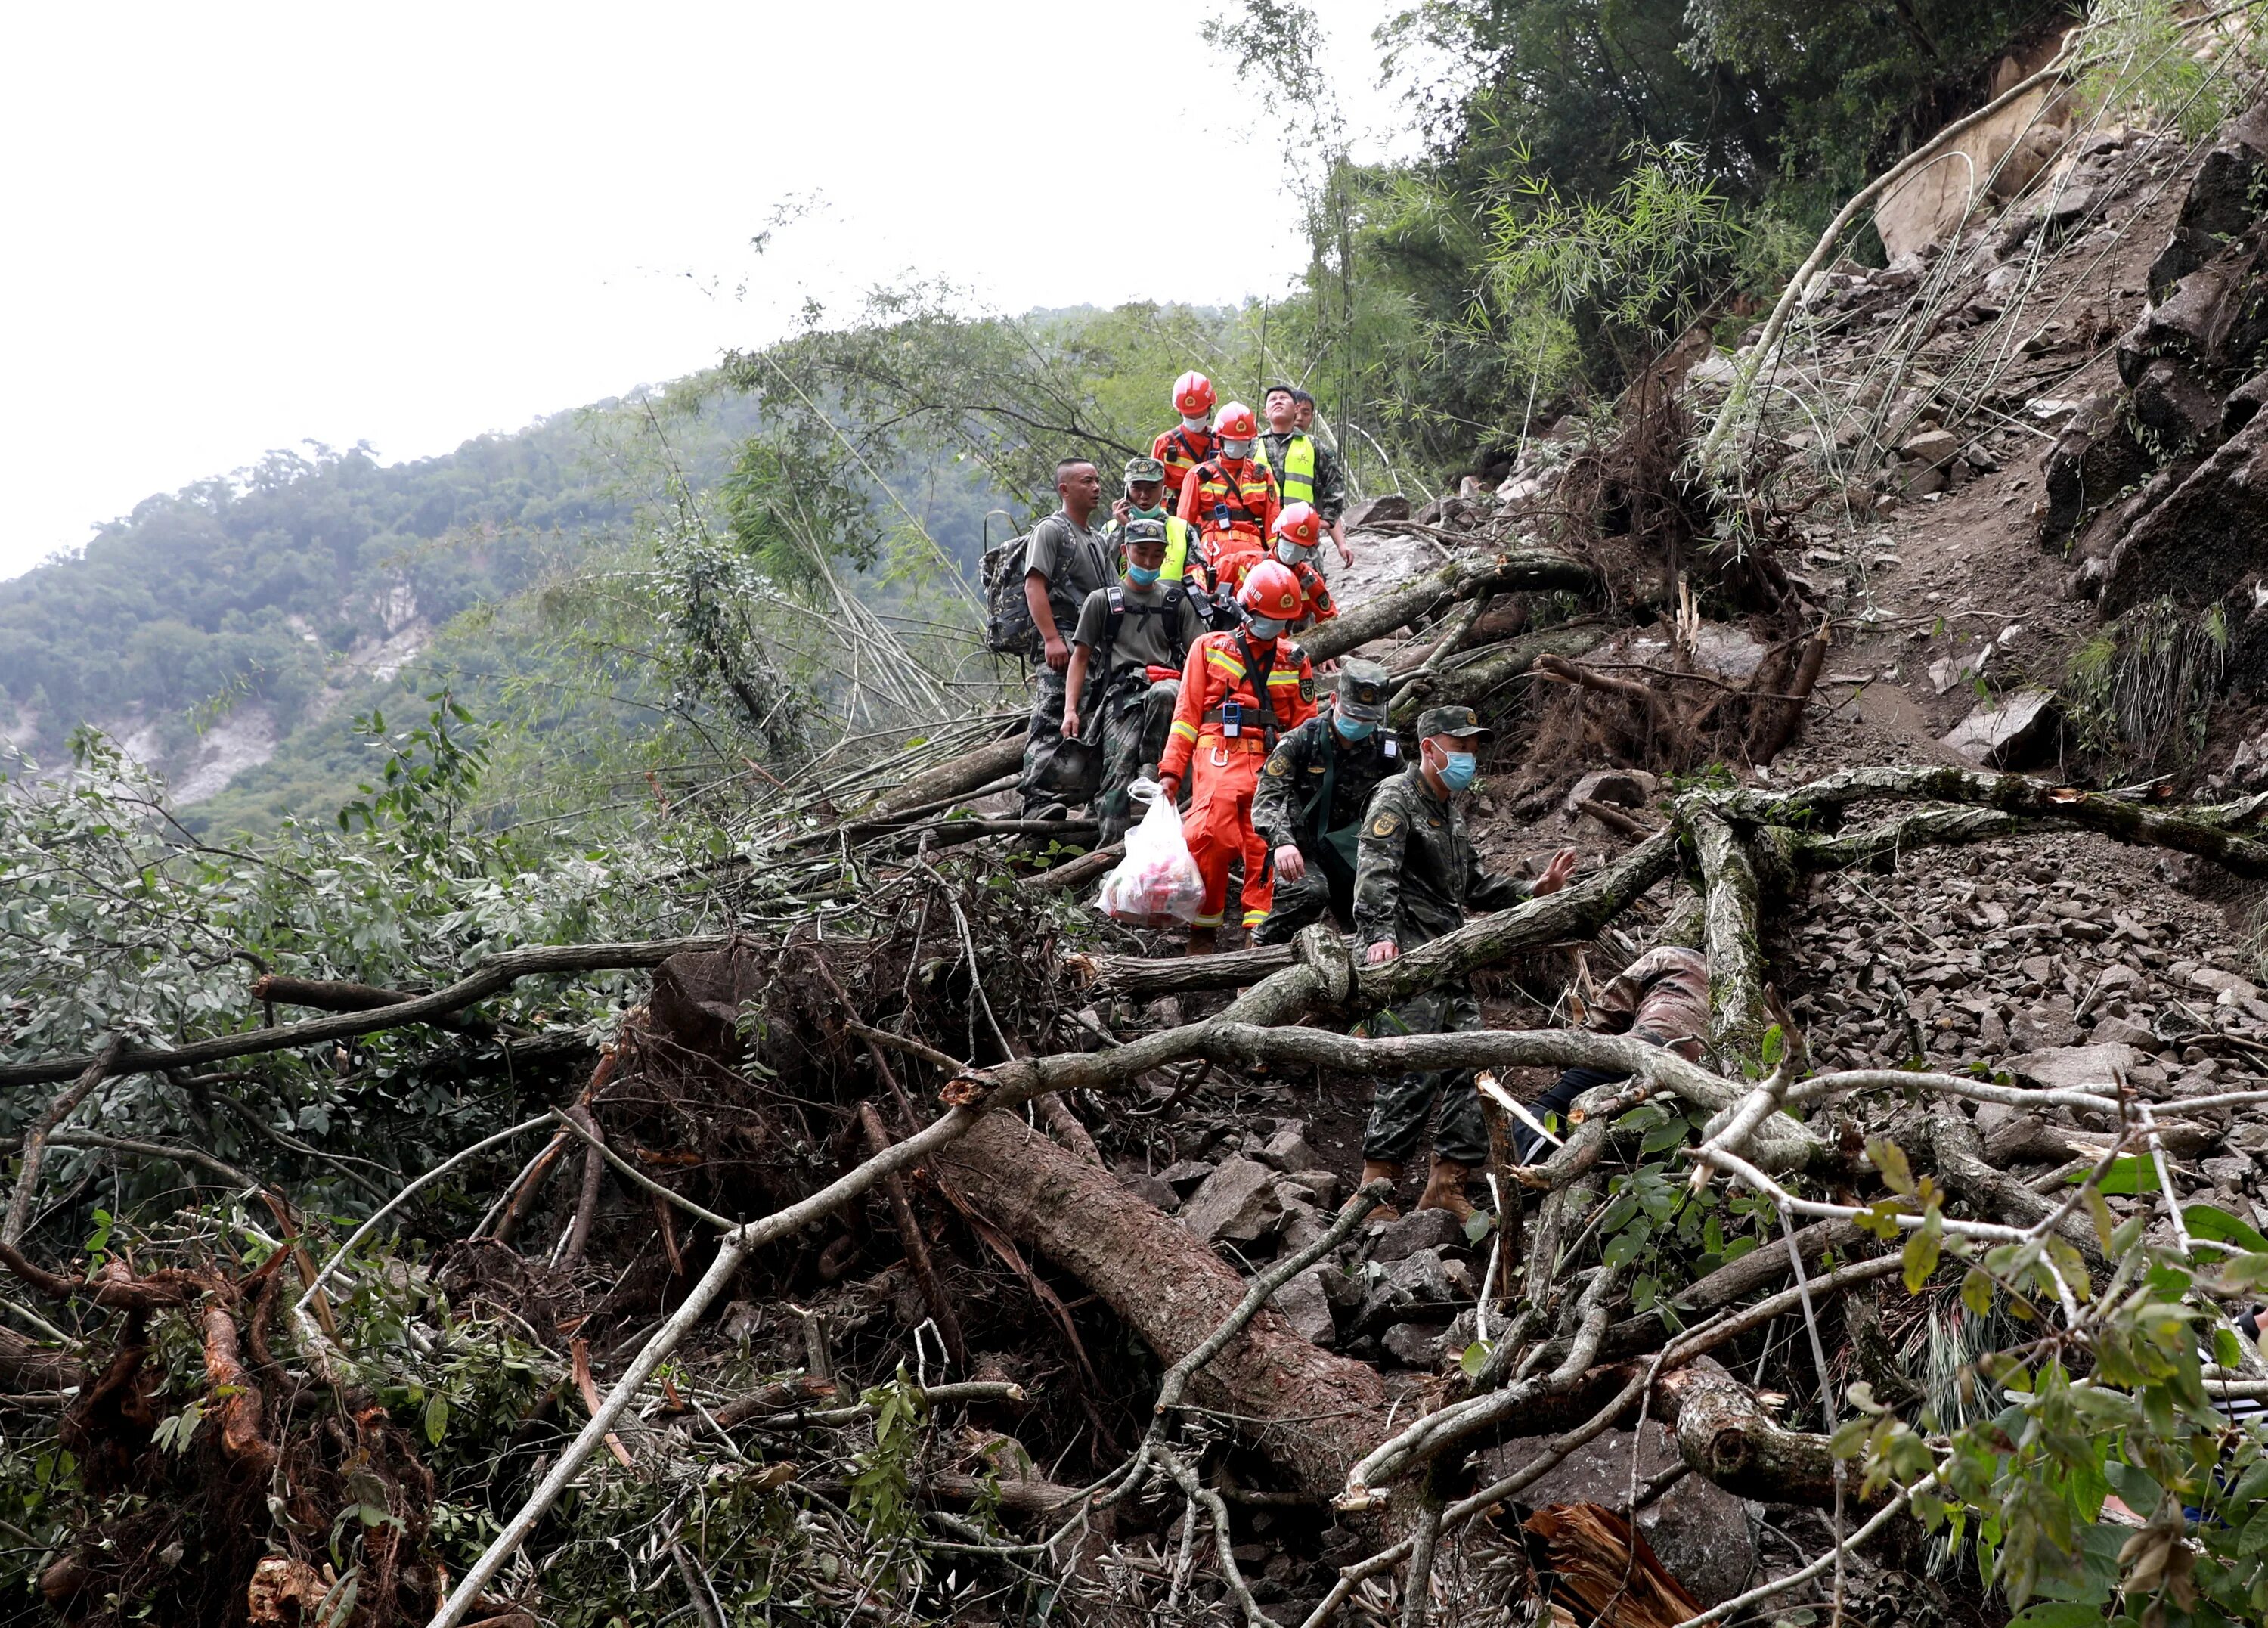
x,y
1143,575
1458,771
1351,730
1265,627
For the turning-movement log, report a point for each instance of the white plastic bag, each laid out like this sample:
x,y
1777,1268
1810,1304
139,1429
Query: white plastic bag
x,y
1157,884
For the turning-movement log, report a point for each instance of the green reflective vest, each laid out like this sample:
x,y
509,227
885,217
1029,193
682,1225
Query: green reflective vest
x,y
1297,478
1177,549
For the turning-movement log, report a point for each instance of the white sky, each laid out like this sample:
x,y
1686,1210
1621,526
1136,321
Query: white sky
x,y
236,226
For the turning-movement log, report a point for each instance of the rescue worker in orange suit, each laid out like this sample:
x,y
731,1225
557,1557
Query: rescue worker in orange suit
x,y
1191,442
1231,500
1241,689
1299,533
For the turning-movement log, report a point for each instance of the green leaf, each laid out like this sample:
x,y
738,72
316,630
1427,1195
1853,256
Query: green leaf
x,y
2130,1174
1478,1226
1921,1254
1773,1047
2136,1488
1976,1292
1888,1158
437,1419
2058,1613
1623,1247
1474,1358
2219,1227
1663,1137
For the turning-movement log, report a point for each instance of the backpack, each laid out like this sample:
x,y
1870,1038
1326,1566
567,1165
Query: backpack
x,y
1009,629
1169,608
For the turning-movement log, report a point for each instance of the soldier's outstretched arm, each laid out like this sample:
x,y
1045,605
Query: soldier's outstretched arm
x,y
1378,853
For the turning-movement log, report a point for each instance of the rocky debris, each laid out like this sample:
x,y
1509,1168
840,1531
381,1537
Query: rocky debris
x,y
1698,1530
2094,459
2014,732
1185,1176
2221,201
1287,1150
1158,1192
1322,1185
2075,1068
2197,540
1420,1229
1371,510
1417,1345
1935,448
2039,956
1237,1203
1307,1306
1629,788
1421,1285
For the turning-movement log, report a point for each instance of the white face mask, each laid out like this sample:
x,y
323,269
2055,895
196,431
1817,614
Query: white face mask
x,y
1290,553
1188,423
1236,449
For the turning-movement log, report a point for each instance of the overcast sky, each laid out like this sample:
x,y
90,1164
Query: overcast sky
x,y
233,227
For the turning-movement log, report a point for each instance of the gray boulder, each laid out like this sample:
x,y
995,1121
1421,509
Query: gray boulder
x,y
1420,1229
1416,1343
2073,1068
1288,1151
2015,731
1699,1531
1419,1279
1307,1306
1237,1203
1149,1187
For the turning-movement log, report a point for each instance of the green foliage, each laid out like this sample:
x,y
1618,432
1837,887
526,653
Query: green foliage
x,y
1775,110
2139,64
1628,268
2141,692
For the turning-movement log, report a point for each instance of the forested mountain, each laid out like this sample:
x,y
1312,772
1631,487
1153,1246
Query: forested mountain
x,y
230,633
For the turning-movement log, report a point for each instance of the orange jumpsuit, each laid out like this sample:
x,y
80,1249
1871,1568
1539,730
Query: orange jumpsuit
x,y
1233,504
1224,771
1181,449
1316,606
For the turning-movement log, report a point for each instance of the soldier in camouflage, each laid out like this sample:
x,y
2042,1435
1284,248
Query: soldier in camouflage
x,y
1313,793
1415,872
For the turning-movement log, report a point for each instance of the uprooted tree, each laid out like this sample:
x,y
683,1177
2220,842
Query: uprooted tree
x,y
699,1325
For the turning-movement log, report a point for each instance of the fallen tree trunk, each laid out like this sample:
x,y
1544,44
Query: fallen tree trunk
x,y
956,779
337,995
1725,1435
1576,913
1461,578
499,973
1736,961
2012,794
1313,1412
1469,682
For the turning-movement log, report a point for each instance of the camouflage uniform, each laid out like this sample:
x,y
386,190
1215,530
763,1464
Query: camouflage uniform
x,y
1415,875
1134,636
1070,558
1311,762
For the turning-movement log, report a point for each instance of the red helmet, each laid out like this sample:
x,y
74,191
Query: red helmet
x,y
1236,423
1271,590
1193,395
1299,523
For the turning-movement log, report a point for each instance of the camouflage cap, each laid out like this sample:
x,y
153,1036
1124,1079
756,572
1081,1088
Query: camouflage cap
x,y
1140,531
1362,692
1144,469
1451,721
